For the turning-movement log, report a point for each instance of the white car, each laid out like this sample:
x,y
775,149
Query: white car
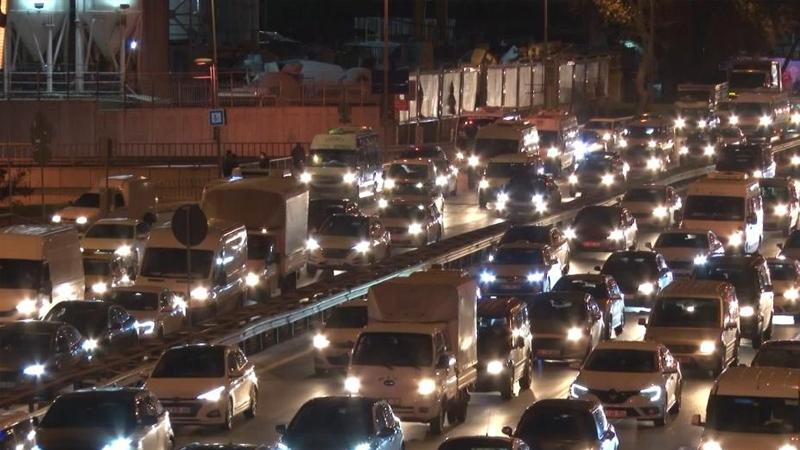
x,y
684,249
347,241
334,341
632,380
205,384
112,250
158,312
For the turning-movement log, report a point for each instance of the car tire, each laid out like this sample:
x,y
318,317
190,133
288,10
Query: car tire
x,y
676,408
252,411
228,424
525,381
507,389
719,367
757,338
436,425
769,329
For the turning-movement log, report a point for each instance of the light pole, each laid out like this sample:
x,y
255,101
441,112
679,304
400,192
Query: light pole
x,y
385,73
215,83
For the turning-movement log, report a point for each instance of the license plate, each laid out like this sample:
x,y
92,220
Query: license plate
x,y
548,352
591,244
616,413
509,286
179,409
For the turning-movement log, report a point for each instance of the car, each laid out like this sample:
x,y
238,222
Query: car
x,y
652,204
781,204
527,195
337,336
520,268
18,431
755,160
645,162
229,446
540,234
504,346
631,379
342,423
566,325
641,275
591,140
105,326
785,276
700,147
604,170
502,168
412,179
790,248
483,443
112,251
605,291
685,248
320,208
34,351
348,241
158,312
203,384
566,425
412,224
730,135
446,173
754,290
602,229
778,353
106,418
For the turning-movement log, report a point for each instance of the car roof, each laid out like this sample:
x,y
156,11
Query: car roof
x,y
497,307
685,231
197,345
419,161
628,345
776,181
221,446
650,255
117,392
523,245
734,260
692,288
479,440
571,295
334,400
84,304
144,288
776,382
585,276
564,404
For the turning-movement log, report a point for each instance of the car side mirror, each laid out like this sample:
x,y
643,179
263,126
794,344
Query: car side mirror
x,y
642,321
508,431
443,362
280,429
697,421
752,219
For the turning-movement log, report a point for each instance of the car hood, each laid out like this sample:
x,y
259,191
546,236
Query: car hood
x,y
679,335
515,270
321,441
74,438
73,212
619,381
347,242
560,444
104,243
165,388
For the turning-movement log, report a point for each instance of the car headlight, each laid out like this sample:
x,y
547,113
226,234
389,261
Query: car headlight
x,y
34,370
537,199
680,122
251,279
349,178
100,288
700,260
483,184
652,393
27,307
701,124
733,119
441,180
362,247
81,220
795,160
123,250
606,136
652,144
572,179
145,328
487,277
305,177
616,235
781,210
312,244
653,163
574,334
362,446
414,228
708,150
710,445
352,385
459,155
735,239
119,444
535,277
89,345
56,218
795,118
473,161
502,197
213,395
684,150
321,341
746,311
426,386
569,233
708,347
787,447
646,288
660,212
577,391
388,183
622,143
494,367
607,179
765,121
382,203
791,294
199,293
553,152
758,173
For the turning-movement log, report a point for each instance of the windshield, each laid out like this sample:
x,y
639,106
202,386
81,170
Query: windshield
x,y
97,267
556,424
711,207
742,279
749,109
530,234
423,152
772,194
111,412
350,226
88,200
685,312
624,267
787,356
644,132
476,443
87,317
688,240
171,263
110,231
12,339
191,362
738,159
135,301
730,132
505,169
259,245
592,217
318,210
343,418
409,171
348,317
548,138
489,148
595,288
20,274
643,195
597,164
618,360
558,309
754,414
332,158
393,349
746,80
403,211
782,270
697,137
599,125
519,256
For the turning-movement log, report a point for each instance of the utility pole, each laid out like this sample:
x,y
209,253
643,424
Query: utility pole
x,y
546,25
386,110
215,83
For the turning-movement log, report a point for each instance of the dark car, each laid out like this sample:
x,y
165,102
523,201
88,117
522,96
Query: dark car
x,y
603,229
342,423
483,443
504,346
605,291
598,170
652,204
751,278
785,276
446,173
700,147
566,325
781,353
755,160
540,234
790,248
781,204
321,209
104,325
527,195
565,425
641,275
36,350
645,162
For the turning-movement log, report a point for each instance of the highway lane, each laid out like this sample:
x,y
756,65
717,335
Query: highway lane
x,y
287,381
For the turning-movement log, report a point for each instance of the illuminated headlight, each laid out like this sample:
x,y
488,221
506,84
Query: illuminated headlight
x,y
701,124
653,163
119,444
362,247
27,307
89,345
252,279
765,121
553,152
708,347
660,212
494,367
781,210
791,294
349,178
572,179
700,260
305,177
622,143
606,136
569,233
538,202
735,239
787,447
81,220
652,393
459,155
652,144
680,122
362,446
646,288
124,251
321,342
178,302
473,161
577,391
574,334
483,184
487,277
684,150
710,445
100,288
607,179
199,293
213,395
312,244
352,385
616,235
708,150
388,183
733,120
626,168
535,277
383,203
746,311
795,160
758,173
34,370
145,327
441,180
426,386
56,218
414,228
796,118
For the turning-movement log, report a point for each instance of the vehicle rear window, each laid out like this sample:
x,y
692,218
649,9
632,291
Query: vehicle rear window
x,y
408,171
619,360
519,256
191,362
685,313
643,195
539,235
690,240
347,317
558,309
351,226
787,356
784,270
596,216
135,301
553,424
110,231
112,413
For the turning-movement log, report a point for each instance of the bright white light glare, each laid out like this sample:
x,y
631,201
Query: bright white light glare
x,y
535,277
652,144
119,444
483,184
34,370
733,119
652,393
56,218
213,395
791,294
252,280
573,179
646,288
460,155
383,203
616,235
473,161
352,385
321,342
89,345
441,180
487,277
362,446
660,212
796,118
735,239
305,177
680,122
553,152
710,445
701,124
133,45
199,293
684,150
569,233
653,163
787,447
312,244
426,386
577,391
502,197
362,247
123,250
795,160
415,229
746,311
388,183
26,307
349,178
765,121
100,288
81,220
574,334
494,367
708,150
622,143
758,173
781,210
607,179
145,327
700,260
708,347
606,136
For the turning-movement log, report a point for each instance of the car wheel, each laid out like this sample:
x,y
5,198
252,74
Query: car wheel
x,y
228,424
253,409
606,331
757,338
676,408
436,425
720,366
768,331
525,381
507,389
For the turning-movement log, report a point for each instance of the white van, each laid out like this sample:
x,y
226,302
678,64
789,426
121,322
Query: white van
x,y
218,266
39,266
762,116
729,204
610,129
752,408
128,196
344,162
503,137
558,137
